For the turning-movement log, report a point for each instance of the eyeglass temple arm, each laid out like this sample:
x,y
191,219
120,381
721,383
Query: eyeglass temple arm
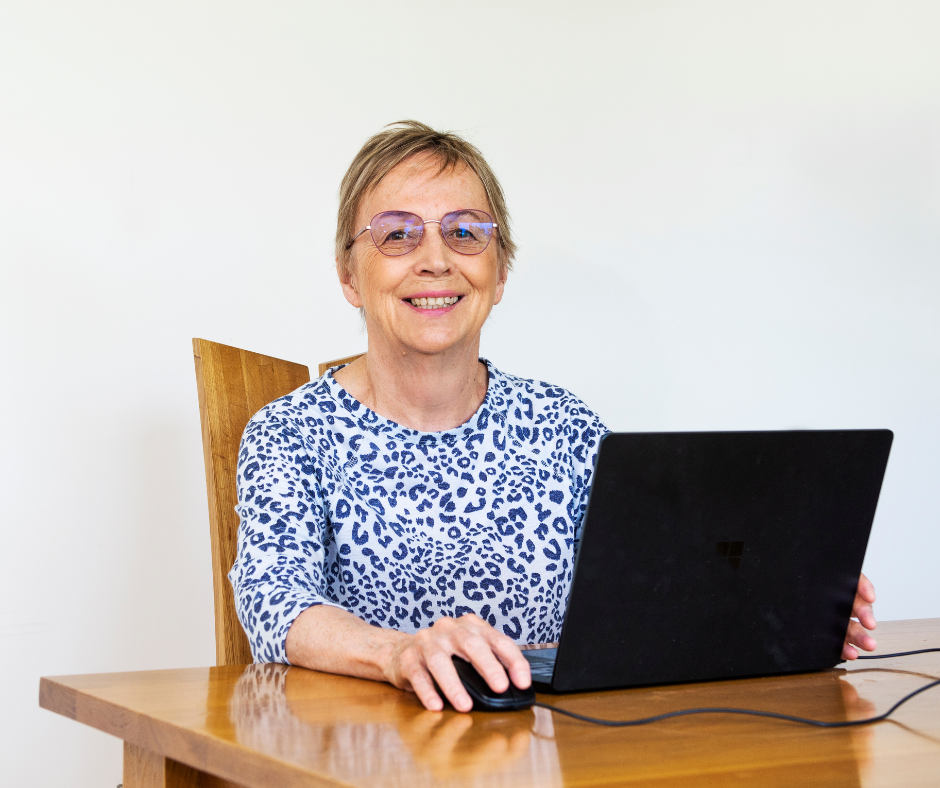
x,y
352,240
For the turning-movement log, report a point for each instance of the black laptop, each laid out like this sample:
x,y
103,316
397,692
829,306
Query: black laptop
x,y
716,555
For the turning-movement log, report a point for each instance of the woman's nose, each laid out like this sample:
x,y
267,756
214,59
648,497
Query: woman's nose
x,y
432,253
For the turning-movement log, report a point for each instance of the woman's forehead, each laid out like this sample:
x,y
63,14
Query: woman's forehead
x,y
420,186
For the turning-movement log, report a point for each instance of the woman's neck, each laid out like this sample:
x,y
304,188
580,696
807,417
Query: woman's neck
x,y
428,393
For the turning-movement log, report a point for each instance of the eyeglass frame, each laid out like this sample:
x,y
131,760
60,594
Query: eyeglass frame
x,y
423,223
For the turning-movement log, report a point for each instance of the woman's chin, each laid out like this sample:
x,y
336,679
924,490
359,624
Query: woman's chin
x,y
434,343
429,337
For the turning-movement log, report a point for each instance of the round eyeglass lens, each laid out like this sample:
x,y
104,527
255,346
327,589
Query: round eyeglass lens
x,y
467,231
396,232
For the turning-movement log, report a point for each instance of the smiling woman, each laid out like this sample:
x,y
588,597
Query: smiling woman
x,y
417,504
418,489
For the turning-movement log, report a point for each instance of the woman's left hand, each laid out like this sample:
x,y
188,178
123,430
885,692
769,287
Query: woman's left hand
x,y
857,637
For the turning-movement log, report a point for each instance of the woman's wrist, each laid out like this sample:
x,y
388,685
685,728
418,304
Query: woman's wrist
x,y
387,652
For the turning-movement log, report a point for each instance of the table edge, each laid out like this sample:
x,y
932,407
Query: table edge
x,y
220,758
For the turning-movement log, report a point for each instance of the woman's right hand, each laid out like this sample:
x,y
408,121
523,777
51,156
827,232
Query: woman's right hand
x,y
420,660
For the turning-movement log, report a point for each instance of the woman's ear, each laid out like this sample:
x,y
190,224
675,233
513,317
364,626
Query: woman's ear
x,y
500,284
347,281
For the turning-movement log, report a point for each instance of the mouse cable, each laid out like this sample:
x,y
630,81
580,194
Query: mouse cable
x,y
755,713
899,654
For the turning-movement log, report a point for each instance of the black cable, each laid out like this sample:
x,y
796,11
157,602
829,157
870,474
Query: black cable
x,y
754,713
899,654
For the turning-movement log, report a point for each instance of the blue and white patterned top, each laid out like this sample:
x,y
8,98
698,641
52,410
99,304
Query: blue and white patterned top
x,y
341,506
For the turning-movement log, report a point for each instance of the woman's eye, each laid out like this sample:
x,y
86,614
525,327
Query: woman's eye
x,y
396,235
462,234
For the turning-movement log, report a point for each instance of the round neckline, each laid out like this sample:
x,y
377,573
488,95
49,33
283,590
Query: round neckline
x,y
377,422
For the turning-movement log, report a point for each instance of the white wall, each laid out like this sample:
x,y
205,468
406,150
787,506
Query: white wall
x,y
728,214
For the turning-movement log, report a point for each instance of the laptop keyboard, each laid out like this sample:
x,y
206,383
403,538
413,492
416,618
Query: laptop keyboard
x,y
541,663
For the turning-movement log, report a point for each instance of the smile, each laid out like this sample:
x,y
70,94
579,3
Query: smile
x,y
433,303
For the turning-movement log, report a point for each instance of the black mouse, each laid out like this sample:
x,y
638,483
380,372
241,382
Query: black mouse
x,y
485,698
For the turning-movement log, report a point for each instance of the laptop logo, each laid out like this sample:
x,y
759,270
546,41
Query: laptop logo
x,y
732,552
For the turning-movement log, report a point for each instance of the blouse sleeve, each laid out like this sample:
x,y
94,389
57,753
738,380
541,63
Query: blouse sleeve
x,y
586,431
278,572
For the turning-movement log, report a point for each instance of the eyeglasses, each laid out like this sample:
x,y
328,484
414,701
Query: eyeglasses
x,y
395,233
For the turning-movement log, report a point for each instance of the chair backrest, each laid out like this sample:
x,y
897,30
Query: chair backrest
x,y
233,385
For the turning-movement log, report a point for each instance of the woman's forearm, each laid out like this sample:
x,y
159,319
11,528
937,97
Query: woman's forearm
x,y
335,641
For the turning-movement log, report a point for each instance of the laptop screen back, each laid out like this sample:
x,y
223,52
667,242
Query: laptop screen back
x,y
718,555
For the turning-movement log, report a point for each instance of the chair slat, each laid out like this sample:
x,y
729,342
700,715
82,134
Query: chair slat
x,y
336,362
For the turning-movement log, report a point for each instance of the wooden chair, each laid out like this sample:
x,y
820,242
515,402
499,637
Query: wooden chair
x,y
233,385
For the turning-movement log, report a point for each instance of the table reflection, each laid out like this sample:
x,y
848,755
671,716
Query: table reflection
x,y
720,749
368,733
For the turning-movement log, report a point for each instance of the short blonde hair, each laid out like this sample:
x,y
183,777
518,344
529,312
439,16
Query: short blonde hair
x,y
389,148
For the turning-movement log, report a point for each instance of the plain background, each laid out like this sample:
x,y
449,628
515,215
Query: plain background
x,y
728,216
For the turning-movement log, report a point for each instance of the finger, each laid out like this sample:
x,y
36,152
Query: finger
x,y
849,652
866,590
507,653
858,637
477,651
864,613
442,669
511,656
423,687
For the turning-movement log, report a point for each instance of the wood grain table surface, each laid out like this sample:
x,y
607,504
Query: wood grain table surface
x,y
259,726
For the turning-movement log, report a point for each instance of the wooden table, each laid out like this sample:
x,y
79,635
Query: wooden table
x,y
260,726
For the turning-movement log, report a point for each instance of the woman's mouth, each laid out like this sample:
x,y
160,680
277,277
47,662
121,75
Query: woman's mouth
x,y
433,303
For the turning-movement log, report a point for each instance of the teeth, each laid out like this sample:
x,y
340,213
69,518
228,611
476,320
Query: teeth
x,y
433,303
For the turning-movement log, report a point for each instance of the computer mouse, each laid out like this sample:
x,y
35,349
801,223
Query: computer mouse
x,y
485,698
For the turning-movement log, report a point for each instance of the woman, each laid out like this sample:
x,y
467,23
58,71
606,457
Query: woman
x,y
418,503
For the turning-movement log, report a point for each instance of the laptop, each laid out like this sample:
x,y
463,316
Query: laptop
x,y
715,555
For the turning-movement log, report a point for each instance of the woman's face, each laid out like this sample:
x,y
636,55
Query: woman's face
x,y
385,286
